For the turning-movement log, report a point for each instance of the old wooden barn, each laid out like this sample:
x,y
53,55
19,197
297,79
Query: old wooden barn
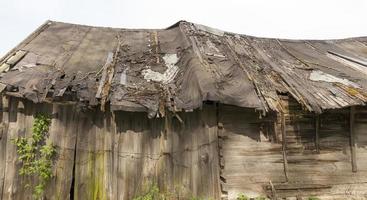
x,y
197,111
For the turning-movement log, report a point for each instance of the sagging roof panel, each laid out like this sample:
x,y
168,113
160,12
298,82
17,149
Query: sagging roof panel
x,y
182,66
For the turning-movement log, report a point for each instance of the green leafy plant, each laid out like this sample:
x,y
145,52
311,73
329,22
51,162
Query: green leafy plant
x,y
313,198
35,155
153,193
242,197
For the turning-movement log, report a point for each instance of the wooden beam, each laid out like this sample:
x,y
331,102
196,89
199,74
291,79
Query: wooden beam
x,y
284,147
104,77
353,144
317,130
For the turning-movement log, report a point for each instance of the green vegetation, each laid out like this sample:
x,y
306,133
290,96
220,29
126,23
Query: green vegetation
x,y
35,155
244,197
153,193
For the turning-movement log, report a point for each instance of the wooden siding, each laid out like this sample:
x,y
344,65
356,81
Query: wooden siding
x,y
213,153
250,159
115,156
252,156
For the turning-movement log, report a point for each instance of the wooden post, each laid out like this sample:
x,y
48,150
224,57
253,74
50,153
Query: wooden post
x,y
317,137
353,144
284,147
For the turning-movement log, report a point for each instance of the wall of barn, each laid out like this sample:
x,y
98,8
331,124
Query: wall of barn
x,y
215,151
115,156
253,163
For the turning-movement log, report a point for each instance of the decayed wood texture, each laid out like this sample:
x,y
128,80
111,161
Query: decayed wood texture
x,y
284,146
104,155
327,174
19,117
63,133
119,164
252,160
353,144
360,132
3,135
317,134
116,156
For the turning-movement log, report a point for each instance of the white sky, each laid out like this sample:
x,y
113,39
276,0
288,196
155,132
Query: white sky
x,y
307,19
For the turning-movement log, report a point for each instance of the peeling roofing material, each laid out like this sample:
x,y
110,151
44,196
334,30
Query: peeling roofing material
x,y
317,75
169,74
182,66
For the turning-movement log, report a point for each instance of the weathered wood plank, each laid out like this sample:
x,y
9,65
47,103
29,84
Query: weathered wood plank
x,y
63,133
181,159
284,147
248,162
92,153
20,120
251,164
12,181
3,139
104,75
353,143
317,133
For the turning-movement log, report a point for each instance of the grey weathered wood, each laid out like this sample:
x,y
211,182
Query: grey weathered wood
x,y
221,164
11,179
144,151
284,147
16,57
4,67
3,140
104,77
317,133
273,191
63,134
250,164
353,143
117,156
20,120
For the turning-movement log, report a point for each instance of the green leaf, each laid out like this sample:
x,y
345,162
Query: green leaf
x,y
35,155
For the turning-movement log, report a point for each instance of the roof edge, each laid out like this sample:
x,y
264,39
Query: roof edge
x,y
27,40
176,24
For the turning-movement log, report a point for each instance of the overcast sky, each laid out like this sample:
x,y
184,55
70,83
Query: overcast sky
x,y
308,19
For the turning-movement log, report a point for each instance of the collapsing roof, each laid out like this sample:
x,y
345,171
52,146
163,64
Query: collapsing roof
x,y
182,66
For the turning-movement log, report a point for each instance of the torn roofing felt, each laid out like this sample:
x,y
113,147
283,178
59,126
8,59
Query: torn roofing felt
x,y
182,66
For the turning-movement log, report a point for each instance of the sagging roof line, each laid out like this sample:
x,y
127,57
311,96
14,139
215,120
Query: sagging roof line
x,y
249,76
212,65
